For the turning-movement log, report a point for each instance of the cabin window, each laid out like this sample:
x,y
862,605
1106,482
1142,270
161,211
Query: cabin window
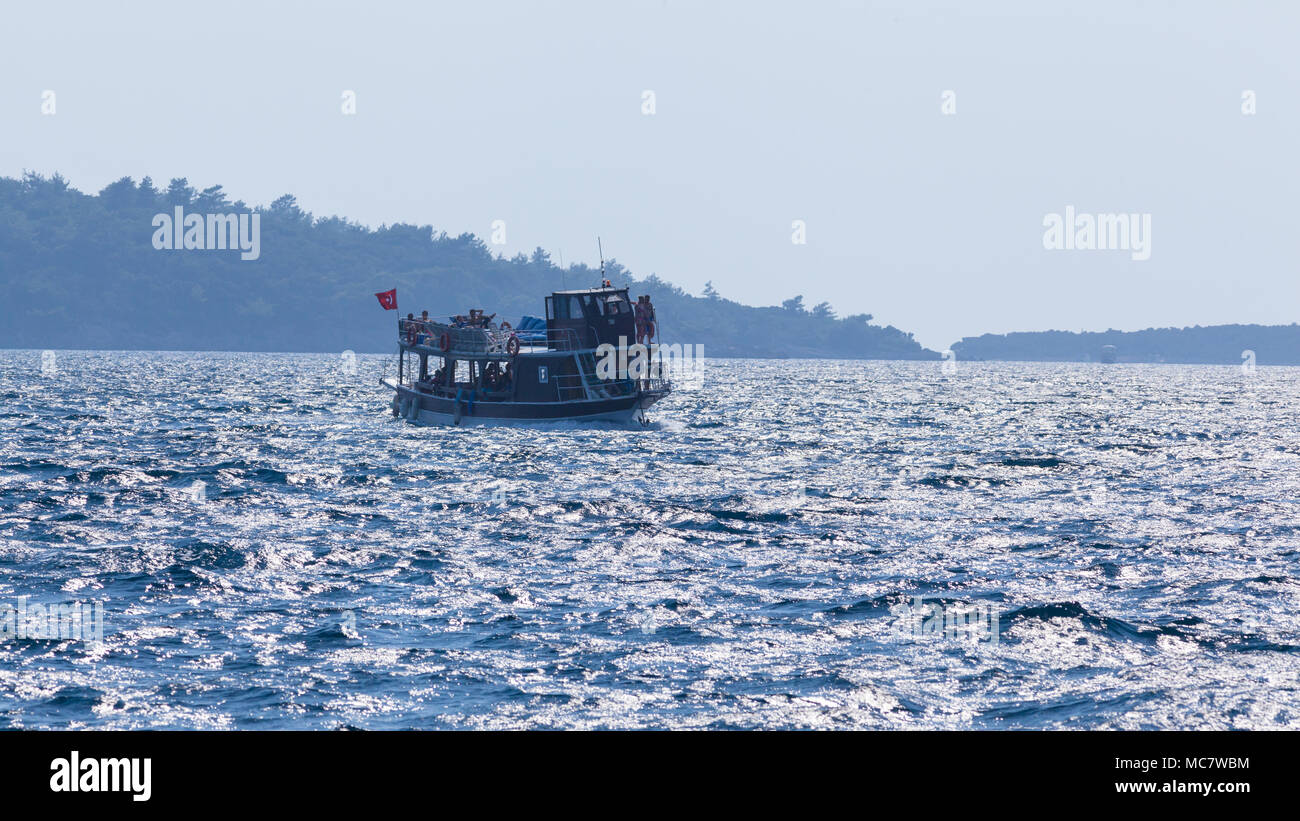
x,y
616,305
462,371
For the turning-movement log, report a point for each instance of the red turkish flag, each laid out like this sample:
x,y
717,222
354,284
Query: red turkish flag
x,y
388,299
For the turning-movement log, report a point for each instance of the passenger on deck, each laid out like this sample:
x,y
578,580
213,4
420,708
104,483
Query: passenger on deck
x,y
649,319
639,316
477,319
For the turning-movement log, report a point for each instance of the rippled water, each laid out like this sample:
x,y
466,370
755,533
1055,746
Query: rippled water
x,y
733,565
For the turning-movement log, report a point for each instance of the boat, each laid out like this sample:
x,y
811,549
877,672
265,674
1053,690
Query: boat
x,y
574,365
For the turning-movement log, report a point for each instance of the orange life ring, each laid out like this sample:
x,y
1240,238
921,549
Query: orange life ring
x,y
512,345
445,341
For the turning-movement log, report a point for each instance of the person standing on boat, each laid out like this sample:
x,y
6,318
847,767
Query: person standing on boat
x,y
649,319
639,317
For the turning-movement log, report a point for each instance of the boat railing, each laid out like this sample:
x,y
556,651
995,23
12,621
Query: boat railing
x,y
428,334
419,333
587,386
569,387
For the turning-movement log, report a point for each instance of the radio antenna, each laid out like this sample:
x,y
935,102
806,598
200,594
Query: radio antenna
x,y
601,250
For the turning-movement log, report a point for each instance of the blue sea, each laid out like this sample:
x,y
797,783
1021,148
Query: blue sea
x,y
272,549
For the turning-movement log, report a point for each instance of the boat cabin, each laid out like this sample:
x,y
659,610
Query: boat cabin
x,y
589,318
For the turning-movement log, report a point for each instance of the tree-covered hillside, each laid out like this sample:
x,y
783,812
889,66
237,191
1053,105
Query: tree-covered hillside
x,y
81,271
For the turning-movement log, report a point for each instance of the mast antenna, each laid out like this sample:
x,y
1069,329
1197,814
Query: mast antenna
x,y
601,250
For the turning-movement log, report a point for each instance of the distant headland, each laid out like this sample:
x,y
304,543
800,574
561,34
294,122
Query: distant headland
x,y
1209,345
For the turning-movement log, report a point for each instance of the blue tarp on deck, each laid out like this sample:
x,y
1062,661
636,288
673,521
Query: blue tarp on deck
x,y
531,329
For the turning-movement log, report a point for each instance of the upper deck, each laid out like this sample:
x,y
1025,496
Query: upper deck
x,y
578,320
451,340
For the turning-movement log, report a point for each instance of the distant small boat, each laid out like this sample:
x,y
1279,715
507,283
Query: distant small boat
x,y
1109,353
472,371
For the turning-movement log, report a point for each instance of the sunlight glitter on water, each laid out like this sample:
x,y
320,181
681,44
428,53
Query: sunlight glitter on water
x,y
733,564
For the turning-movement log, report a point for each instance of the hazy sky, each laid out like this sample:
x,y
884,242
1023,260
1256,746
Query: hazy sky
x,y
824,112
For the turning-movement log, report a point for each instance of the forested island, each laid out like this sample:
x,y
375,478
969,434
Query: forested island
x,y
106,271
1211,345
